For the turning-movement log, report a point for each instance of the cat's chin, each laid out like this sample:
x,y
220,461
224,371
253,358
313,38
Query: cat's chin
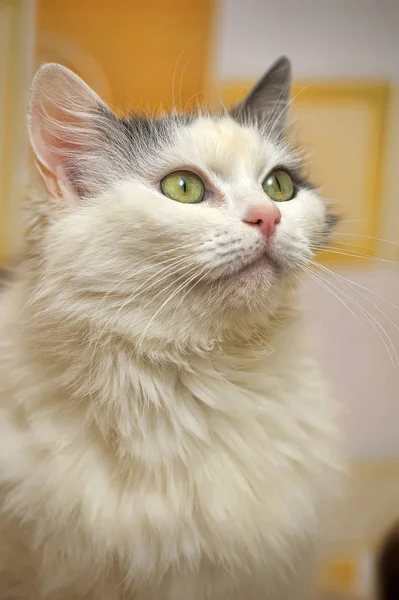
x,y
261,268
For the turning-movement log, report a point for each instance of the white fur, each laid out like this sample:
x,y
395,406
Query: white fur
x,y
164,434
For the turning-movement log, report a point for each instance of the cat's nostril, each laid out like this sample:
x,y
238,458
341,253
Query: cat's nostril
x,y
264,216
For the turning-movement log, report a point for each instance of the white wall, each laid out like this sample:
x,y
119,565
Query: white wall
x,y
389,219
323,38
353,356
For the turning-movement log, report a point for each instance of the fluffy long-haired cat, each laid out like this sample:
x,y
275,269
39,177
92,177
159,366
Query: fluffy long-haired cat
x,y
164,434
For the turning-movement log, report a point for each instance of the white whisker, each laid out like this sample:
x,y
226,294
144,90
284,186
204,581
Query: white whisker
x,y
381,331
168,299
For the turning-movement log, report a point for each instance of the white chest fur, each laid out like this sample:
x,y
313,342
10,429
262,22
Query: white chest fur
x,y
223,464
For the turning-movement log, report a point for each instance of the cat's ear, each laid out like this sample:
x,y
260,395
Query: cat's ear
x,y
269,99
66,119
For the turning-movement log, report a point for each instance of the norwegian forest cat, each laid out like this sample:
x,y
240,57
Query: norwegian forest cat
x,y
164,433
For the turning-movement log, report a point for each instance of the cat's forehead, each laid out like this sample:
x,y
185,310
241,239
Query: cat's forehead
x,y
225,146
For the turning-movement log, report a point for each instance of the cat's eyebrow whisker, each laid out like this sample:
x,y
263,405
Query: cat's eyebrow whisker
x,y
381,331
286,106
276,110
191,99
184,50
181,83
279,101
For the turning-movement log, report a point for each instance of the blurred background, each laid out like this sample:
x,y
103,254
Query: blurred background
x,y
141,54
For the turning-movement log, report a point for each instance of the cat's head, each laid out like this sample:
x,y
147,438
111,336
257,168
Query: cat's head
x,y
180,228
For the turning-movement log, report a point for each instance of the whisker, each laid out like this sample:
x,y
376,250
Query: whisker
x,y
347,245
170,263
323,284
168,299
181,81
353,283
286,107
382,333
175,71
360,255
205,273
352,286
129,299
367,237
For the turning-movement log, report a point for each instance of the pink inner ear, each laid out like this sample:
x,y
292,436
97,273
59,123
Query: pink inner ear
x,y
51,146
60,123
50,179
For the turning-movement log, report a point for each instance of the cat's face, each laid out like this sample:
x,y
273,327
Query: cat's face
x,y
175,228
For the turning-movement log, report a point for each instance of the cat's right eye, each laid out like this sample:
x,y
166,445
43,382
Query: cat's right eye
x,y
279,186
183,186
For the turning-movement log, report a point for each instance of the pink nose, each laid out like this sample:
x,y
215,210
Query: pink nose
x,y
265,216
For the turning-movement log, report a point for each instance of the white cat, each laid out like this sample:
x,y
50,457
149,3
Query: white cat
x,y
164,434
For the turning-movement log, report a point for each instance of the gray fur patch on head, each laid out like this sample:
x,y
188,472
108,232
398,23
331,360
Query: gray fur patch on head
x,y
129,146
139,137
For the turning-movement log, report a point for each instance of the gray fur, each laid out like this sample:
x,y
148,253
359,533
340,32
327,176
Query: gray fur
x,y
128,145
268,101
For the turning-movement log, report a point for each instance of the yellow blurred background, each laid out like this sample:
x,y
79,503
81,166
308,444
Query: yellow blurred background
x,y
176,53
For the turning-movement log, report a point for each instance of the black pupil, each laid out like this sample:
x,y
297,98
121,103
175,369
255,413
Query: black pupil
x,y
278,183
183,184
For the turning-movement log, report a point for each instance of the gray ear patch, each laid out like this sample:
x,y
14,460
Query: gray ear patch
x,y
268,101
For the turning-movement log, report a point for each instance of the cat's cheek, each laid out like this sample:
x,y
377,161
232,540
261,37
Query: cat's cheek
x,y
304,216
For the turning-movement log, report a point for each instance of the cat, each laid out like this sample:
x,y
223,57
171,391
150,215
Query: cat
x,y
164,431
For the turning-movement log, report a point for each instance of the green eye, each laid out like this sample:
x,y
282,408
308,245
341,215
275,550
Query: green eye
x,y
183,186
279,186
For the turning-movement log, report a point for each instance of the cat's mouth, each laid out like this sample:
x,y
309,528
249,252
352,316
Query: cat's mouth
x,y
264,264
273,260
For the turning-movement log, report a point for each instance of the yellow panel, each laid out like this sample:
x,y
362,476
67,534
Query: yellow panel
x,y
134,52
14,66
342,128
5,19
339,159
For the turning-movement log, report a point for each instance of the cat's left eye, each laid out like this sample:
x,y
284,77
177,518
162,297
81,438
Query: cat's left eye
x,y
183,186
279,186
